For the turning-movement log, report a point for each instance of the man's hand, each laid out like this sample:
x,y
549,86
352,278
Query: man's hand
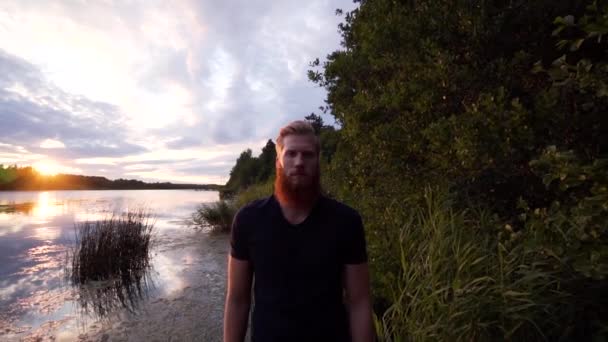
x,y
356,283
238,300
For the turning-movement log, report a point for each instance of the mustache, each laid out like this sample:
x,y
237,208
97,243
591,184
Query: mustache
x,y
286,193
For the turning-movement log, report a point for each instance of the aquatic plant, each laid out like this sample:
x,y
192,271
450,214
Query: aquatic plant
x,y
99,299
115,247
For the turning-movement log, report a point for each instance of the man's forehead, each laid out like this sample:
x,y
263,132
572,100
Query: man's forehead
x,y
299,142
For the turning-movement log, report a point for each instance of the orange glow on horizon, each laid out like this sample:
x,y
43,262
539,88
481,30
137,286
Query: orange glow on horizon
x,y
47,168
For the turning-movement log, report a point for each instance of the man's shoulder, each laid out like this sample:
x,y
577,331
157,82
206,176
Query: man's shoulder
x,y
255,207
339,208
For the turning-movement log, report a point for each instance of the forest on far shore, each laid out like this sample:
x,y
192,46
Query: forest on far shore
x,y
27,178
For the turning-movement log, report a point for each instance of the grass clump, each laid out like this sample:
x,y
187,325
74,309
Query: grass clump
x,y
254,192
114,247
216,216
459,279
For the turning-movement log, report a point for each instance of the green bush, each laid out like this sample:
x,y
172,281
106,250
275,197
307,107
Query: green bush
x,y
250,170
217,216
254,192
503,105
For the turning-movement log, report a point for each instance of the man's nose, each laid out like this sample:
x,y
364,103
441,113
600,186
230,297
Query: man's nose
x,y
299,160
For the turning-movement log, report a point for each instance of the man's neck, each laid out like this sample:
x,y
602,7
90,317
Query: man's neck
x,y
296,214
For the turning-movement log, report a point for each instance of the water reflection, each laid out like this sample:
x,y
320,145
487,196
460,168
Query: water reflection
x,y
22,208
99,299
115,247
37,231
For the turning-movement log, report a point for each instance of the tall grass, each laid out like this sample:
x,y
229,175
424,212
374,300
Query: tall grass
x,y
459,279
114,247
217,216
254,192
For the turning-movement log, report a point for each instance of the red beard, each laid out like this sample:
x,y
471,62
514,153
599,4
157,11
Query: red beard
x,y
301,197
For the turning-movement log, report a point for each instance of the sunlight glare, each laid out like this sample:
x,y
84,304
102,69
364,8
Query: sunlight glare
x,y
47,207
47,168
51,168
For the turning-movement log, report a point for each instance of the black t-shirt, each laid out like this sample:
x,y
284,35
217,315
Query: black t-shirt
x,y
298,269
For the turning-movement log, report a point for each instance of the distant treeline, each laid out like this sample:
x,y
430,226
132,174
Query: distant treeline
x,y
27,178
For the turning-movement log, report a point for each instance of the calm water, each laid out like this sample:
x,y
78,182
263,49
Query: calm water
x,y
37,229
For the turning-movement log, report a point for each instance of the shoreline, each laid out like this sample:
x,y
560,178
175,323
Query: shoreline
x,y
190,310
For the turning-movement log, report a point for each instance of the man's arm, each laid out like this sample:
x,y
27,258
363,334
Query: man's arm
x,y
359,302
238,300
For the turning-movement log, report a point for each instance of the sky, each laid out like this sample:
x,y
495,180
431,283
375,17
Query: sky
x,y
156,90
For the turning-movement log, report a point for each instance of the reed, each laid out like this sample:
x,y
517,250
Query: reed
x,y
116,247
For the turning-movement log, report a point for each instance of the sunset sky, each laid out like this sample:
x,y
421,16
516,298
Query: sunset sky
x,y
152,90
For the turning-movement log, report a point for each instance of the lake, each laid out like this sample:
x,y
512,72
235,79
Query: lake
x,y
37,302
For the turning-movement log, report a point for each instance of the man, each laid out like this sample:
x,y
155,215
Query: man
x,y
305,250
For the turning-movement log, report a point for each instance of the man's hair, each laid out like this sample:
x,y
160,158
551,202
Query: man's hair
x,y
298,127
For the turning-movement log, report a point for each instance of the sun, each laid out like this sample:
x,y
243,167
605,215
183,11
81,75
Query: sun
x,y
47,168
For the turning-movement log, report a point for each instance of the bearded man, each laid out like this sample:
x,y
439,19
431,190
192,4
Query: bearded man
x,y
307,253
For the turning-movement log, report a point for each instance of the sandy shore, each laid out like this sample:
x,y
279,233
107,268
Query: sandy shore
x,y
190,310
193,313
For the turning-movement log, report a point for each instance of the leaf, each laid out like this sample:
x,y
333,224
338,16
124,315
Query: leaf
x,y
576,44
567,20
538,67
562,43
557,30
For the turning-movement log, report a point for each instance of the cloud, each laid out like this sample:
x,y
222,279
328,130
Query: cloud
x,y
183,142
250,71
70,126
119,83
50,143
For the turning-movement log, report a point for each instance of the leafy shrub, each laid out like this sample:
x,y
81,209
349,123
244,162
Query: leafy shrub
x,y
503,105
250,170
254,192
217,216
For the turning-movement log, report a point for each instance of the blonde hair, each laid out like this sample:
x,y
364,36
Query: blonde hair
x,y
298,127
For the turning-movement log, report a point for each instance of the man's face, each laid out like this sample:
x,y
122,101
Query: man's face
x,y
299,160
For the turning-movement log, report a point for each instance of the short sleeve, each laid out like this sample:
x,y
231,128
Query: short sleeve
x,y
355,251
239,246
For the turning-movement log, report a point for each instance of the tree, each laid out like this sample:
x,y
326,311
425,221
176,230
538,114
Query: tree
x,y
250,170
266,161
446,94
316,121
